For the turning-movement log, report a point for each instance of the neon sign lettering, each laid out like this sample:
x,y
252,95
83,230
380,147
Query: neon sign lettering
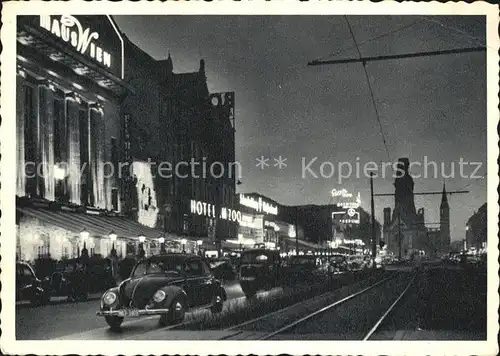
x,y
207,209
70,30
258,204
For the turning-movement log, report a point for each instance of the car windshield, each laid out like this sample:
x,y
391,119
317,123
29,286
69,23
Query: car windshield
x,y
164,266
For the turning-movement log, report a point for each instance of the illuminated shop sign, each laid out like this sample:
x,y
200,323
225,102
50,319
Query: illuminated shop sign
x,y
95,37
272,225
344,199
349,216
70,30
209,210
258,204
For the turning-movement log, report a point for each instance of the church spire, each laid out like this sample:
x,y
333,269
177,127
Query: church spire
x,y
444,197
170,64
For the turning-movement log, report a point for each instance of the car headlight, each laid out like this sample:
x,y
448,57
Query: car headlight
x,y
109,298
159,296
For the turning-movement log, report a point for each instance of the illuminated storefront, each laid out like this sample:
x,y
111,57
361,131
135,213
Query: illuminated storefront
x,y
261,221
70,84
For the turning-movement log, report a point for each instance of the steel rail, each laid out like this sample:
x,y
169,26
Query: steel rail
x,y
324,309
377,324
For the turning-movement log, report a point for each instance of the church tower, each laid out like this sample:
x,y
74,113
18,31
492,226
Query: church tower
x,y
404,204
444,215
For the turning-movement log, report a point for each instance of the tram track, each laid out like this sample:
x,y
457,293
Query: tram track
x,y
285,323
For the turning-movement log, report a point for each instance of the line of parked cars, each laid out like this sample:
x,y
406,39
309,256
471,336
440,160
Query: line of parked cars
x,y
71,279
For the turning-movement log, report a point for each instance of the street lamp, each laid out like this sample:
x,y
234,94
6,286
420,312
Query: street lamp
x,y
183,242
84,234
161,240
113,236
142,253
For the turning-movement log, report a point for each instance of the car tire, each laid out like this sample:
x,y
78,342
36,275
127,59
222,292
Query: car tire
x,y
218,304
114,322
176,313
36,301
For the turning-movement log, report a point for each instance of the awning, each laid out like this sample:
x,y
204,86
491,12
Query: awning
x,y
302,243
96,225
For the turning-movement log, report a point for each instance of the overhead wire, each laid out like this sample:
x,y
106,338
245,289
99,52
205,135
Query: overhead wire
x,y
374,38
371,91
480,40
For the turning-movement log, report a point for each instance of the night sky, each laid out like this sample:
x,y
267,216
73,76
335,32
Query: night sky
x,y
432,107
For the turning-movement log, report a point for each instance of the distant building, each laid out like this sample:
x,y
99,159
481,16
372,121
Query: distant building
x,y
477,228
405,232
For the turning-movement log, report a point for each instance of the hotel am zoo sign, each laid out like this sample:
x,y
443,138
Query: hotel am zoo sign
x,y
96,38
349,207
210,211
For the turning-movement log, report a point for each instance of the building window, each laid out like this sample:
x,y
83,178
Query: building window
x,y
114,199
114,152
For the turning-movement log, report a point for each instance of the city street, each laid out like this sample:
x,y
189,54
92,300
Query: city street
x,y
250,176
58,320
423,312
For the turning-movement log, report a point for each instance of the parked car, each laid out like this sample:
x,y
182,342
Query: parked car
x,y
72,279
29,287
337,263
355,262
260,269
223,269
301,268
167,285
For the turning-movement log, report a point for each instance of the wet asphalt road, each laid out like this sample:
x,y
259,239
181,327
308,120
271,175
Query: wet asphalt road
x,y
78,320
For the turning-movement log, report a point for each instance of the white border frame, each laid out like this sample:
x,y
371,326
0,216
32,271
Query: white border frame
x,y
126,347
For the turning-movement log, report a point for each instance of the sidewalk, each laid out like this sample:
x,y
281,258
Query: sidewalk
x,y
59,300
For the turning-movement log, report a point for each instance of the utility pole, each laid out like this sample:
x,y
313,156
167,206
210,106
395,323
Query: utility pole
x,y
397,56
297,230
374,236
399,234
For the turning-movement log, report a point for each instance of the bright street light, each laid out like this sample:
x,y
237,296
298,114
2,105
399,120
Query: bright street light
x,y
84,234
142,238
113,236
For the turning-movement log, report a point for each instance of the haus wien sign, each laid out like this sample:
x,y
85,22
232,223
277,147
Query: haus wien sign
x,y
83,39
97,38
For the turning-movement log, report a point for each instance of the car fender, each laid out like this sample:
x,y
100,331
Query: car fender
x,y
173,291
115,290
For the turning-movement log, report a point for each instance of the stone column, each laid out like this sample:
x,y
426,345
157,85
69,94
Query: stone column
x,y
46,115
73,111
20,107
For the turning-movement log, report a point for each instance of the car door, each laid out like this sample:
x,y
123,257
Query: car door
x,y
27,282
195,283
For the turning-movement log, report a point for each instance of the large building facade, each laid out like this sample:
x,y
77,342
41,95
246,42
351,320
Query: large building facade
x,y
69,91
106,135
181,152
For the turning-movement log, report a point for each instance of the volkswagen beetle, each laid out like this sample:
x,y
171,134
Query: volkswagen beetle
x,y
167,285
